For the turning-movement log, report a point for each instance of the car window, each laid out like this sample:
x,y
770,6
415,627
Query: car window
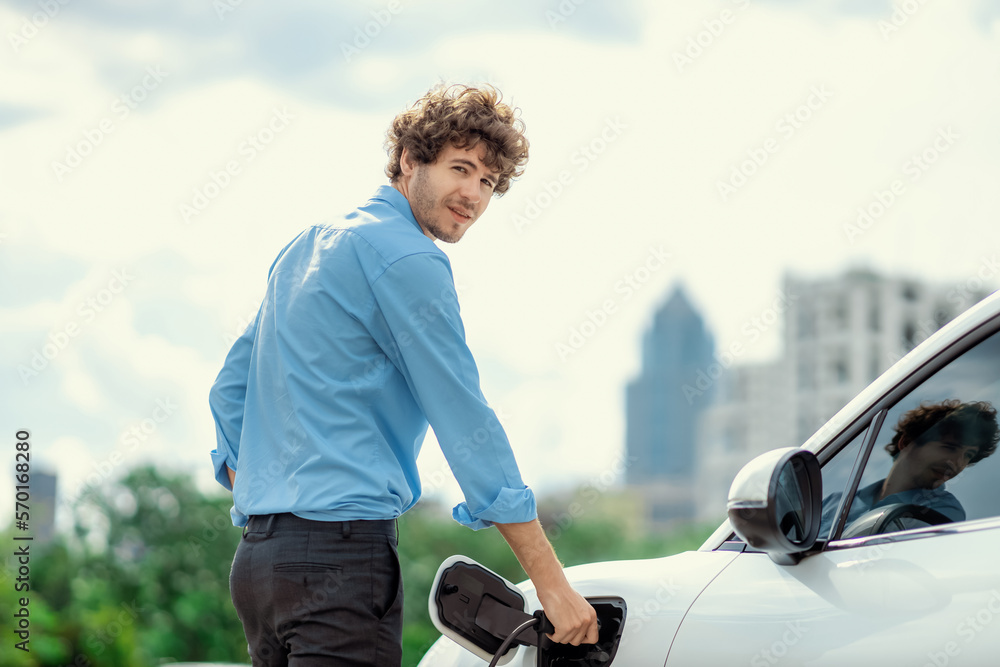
x,y
933,460
836,474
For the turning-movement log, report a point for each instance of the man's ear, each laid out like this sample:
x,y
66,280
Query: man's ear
x,y
903,443
406,163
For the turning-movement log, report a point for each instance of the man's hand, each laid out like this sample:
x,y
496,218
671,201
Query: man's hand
x,y
574,619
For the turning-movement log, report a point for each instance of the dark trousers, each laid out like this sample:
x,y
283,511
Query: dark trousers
x,y
318,592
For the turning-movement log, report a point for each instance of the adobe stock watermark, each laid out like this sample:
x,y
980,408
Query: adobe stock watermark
x,y
468,445
639,615
872,553
463,448
121,107
31,26
913,169
967,630
786,128
240,326
751,331
901,14
969,292
364,34
624,289
225,7
704,39
580,161
221,524
445,304
834,425
922,330
261,479
963,296
562,13
99,640
87,311
246,153
130,440
780,647
589,493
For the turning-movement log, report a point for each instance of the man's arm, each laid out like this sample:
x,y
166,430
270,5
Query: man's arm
x,y
227,397
425,339
226,401
574,618
416,296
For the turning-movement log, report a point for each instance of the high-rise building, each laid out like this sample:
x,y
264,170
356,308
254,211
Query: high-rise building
x,y
839,334
661,415
43,505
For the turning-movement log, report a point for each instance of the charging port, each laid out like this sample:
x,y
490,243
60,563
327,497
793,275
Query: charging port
x,y
479,610
477,604
611,617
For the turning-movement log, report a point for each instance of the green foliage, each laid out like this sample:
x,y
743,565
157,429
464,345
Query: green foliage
x,y
144,577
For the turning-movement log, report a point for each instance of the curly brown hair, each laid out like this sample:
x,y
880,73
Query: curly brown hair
x,y
973,423
463,116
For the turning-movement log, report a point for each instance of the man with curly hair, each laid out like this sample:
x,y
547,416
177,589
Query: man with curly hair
x,y
935,442
932,444
322,405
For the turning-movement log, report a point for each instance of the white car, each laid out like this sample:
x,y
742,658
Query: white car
x,y
911,578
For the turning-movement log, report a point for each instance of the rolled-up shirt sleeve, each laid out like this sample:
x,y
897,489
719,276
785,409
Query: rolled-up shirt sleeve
x,y
417,298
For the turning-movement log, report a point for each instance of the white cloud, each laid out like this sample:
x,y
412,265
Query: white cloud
x,y
674,135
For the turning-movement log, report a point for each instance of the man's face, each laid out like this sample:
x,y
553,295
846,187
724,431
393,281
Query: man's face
x,y
448,195
935,462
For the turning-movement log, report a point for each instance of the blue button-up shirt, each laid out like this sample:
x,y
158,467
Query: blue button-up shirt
x,y
322,404
867,499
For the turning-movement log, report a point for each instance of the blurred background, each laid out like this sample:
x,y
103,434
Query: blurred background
x,y
736,214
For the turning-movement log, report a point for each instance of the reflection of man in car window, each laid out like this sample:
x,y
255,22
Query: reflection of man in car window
x,y
933,443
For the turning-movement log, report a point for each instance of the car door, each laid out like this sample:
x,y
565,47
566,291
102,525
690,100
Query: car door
x,y
911,594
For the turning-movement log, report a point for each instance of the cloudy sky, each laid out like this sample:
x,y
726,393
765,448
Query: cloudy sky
x,y
155,156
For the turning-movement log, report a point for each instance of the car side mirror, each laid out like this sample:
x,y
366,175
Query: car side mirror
x,y
775,503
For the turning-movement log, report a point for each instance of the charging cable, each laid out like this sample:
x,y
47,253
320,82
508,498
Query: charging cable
x,y
538,618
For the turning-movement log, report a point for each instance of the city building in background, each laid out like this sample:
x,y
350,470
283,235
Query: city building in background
x,y
43,506
838,334
661,415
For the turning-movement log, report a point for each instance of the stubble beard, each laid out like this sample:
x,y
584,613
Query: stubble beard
x,y
423,203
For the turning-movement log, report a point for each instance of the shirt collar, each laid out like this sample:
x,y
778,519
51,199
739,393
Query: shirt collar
x,y
869,493
395,199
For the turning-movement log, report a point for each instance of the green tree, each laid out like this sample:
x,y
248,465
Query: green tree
x,y
142,579
162,551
